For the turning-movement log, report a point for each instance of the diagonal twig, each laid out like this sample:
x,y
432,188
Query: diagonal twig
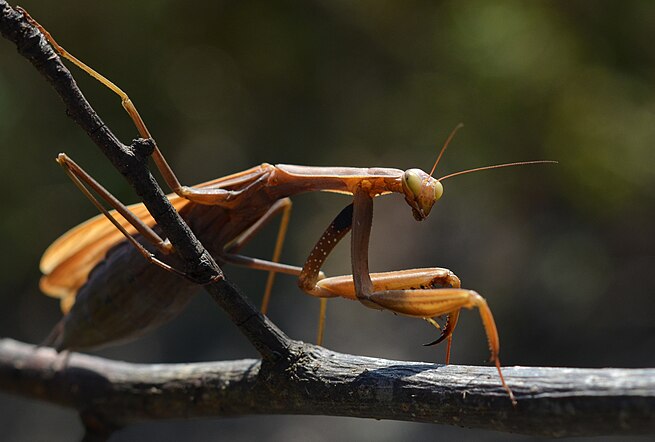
x,y
131,162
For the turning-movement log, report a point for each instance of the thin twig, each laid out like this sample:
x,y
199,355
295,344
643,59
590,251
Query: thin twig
x,y
131,161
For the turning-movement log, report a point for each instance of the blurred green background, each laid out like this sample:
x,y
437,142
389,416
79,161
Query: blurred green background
x,y
564,254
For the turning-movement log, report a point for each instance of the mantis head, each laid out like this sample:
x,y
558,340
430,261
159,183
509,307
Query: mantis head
x,y
422,190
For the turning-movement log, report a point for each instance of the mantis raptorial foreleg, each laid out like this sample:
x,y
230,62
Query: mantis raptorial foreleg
x,y
333,234
362,222
408,292
311,270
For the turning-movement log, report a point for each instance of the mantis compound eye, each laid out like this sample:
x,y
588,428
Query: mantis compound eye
x,y
438,190
412,181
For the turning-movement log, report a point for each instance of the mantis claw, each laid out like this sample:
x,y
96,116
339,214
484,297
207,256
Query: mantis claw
x,y
436,341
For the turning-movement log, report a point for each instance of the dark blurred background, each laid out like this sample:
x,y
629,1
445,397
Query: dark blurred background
x,y
564,254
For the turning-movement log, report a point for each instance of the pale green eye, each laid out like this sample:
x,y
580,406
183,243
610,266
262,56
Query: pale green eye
x,y
438,190
413,182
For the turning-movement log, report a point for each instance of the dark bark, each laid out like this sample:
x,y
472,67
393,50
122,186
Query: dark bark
x,y
551,401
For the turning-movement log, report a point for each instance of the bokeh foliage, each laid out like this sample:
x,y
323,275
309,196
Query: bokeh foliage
x,y
564,254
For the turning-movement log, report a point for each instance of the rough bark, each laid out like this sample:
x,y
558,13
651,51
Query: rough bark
x,y
551,401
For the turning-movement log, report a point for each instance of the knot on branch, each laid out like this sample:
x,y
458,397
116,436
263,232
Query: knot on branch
x,y
133,159
142,148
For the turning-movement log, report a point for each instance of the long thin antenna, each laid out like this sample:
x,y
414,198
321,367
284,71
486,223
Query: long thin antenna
x,y
445,145
497,166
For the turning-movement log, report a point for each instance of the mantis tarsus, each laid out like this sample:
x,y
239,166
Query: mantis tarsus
x,y
110,293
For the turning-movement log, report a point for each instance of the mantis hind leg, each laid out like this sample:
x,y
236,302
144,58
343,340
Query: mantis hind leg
x,y
215,195
202,196
82,179
126,102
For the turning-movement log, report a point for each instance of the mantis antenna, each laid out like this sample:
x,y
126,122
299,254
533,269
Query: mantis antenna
x,y
445,145
477,169
497,166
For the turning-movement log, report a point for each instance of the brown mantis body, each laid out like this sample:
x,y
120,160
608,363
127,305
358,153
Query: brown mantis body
x,y
109,292
100,277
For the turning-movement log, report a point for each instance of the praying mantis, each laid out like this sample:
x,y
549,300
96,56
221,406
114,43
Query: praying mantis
x,y
117,278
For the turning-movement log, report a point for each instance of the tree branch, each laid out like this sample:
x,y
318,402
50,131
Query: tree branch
x,y
551,401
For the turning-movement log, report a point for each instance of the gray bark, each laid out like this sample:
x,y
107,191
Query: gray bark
x,y
551,401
